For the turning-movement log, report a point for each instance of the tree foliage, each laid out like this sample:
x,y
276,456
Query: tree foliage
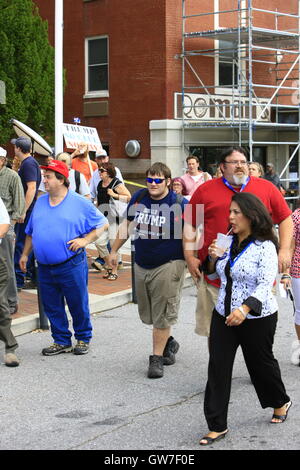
x,y
27,68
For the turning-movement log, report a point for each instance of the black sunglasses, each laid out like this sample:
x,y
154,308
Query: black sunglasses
x,y
155,180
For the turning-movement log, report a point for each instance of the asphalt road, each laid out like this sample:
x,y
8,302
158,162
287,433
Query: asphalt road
x,y
104,400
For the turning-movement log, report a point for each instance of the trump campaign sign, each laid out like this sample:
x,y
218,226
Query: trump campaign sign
x,y
75,135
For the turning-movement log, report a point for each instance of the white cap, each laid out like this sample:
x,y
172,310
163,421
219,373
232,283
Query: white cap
x,y
102,153
3,152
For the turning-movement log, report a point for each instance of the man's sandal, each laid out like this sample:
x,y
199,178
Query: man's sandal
x,y
112,277
108,273
207,440
282,418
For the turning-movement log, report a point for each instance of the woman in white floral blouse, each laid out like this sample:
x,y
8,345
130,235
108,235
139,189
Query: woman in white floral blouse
x,y
245,315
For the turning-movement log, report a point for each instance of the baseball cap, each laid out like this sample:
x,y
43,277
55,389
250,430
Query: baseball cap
x,y
58,167
270,164
23,143
3,152
103,153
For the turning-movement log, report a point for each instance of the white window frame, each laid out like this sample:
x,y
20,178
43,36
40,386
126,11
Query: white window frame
x,y
96,93
219,89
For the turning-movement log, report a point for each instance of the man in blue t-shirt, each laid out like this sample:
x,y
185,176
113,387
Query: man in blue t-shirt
x,y
61,225
156,216
30,175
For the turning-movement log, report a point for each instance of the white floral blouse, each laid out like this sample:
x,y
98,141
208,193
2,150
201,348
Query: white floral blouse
x,y
248,279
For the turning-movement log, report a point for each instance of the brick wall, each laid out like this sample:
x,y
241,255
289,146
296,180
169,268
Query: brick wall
x,y
144,38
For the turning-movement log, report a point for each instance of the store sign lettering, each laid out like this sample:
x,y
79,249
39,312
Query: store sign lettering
x,y
220,108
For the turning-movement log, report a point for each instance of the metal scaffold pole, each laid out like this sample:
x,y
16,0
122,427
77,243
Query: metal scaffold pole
x,y
256,108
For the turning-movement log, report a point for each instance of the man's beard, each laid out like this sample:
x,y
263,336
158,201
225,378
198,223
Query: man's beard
x,y
239,180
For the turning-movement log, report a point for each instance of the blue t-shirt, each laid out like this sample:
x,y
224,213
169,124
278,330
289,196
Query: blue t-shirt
x,y
51,227
158,229
30,171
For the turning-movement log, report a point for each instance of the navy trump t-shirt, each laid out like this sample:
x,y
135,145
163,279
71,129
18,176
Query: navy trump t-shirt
x,y
157,229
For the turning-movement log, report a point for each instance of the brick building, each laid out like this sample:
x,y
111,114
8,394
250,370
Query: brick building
x,y
129,64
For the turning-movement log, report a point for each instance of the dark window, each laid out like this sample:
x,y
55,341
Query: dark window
x,y
227,64
288,117
97,64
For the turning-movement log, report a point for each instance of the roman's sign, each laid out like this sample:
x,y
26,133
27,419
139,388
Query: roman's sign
x,y
220,108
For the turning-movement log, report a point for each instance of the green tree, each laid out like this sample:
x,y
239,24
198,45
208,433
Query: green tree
x,y
27,68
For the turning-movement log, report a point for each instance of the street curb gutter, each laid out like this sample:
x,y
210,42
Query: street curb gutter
x,y
98,304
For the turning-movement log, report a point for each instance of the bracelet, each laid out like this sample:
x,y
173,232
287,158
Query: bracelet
x,y
242,311
286,276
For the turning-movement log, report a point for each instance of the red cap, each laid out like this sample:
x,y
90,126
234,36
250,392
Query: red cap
x,y
58,166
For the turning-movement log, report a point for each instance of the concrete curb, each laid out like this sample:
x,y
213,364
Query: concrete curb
x,y
98,304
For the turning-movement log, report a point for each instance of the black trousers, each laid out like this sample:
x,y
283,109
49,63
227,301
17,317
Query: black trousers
x,y
255,336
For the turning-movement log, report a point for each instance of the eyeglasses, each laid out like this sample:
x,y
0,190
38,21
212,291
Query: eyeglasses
x,y
238,162
155,180
102,170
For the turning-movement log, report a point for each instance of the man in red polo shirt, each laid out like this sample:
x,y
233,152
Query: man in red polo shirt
x,y
214,197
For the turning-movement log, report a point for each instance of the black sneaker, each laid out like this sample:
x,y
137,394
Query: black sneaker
x,y
171,348
55,349
156,367
81,348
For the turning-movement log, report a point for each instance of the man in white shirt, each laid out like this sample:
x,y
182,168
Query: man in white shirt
x,y
6,335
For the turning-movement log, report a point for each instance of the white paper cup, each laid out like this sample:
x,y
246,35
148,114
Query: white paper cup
x,y
223,243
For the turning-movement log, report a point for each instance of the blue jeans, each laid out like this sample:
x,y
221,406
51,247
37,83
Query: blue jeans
x,y
67,281
19,246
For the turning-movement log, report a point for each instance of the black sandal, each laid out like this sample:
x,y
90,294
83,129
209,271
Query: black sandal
x,y
112,277
282,418
211,440
108,273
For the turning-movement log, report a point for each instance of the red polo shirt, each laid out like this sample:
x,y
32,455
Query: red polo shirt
x,y
215,197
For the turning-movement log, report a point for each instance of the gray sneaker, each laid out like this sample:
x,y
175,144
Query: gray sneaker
x,y
81,348
55,349
170,350
11,360
156,367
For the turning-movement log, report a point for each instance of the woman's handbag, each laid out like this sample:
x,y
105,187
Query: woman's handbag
x,y
118,207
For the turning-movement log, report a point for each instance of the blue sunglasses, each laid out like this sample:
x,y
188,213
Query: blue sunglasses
x,y
155,180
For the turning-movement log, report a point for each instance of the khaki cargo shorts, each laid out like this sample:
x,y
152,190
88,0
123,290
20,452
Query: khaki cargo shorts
x,y
207,296
158,293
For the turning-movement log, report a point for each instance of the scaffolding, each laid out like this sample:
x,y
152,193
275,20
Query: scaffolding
x,y
257,104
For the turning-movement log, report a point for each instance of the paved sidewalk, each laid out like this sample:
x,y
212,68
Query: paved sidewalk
x,y
103,294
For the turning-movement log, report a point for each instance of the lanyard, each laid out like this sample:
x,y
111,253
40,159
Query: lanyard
x,y
232,262
232,188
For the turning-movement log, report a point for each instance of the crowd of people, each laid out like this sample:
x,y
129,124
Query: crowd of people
x,y
55,211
